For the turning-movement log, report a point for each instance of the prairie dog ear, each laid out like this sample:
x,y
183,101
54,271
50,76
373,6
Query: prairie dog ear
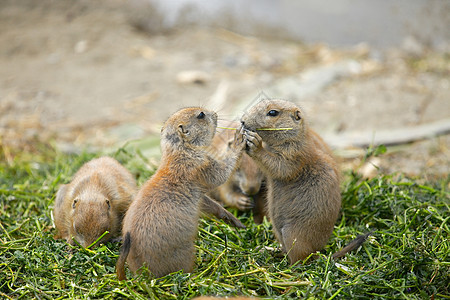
x,y
108,203
74,204
297,115
61,194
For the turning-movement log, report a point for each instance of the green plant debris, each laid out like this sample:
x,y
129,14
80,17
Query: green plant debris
x,y
260,129
407,257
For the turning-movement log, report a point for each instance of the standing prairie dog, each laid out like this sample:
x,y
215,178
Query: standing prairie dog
x,y
304,197
161,224
94,201
242,190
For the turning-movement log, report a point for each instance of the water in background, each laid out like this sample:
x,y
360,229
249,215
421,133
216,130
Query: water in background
x,y
380,23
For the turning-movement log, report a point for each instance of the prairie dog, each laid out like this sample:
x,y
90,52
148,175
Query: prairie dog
x,y
304,197
161,224
94,201
243,188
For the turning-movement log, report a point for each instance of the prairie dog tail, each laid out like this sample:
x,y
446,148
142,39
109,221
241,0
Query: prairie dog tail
x,y
125,249
353,245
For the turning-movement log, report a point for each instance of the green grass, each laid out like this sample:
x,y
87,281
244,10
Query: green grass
x,y
407,256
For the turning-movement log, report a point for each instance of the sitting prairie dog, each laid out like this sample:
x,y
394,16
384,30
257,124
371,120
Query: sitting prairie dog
x,y
94,201
304,197
160,226
242,190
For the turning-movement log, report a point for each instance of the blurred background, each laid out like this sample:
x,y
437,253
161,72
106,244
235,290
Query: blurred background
x,y
95,74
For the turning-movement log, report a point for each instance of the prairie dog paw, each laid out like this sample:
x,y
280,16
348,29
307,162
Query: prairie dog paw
x,y
243,202
253,141
239,142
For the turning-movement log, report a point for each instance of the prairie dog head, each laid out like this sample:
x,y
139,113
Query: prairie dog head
x,y
189,127
90,217
275,114
248,176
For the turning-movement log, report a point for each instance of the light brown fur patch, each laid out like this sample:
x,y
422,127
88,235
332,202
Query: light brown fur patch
x,y
94,201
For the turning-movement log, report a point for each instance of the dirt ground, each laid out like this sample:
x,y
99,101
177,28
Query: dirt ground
x,y
79,74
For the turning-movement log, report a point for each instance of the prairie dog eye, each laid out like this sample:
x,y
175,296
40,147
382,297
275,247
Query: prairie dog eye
x,y
201,115
273,113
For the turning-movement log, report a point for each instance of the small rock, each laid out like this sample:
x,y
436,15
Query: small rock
x,y
193,76
413,46
370,168
362,50
81,47
370,67
143,51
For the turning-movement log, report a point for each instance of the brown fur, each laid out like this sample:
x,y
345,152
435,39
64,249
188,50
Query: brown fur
x,y
242,190
209,206
353,245
162,221
95,201
302,177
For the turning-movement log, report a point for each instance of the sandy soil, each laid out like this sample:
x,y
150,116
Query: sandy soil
x,y
78,72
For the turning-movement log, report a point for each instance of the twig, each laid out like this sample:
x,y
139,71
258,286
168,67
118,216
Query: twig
x,y
261,129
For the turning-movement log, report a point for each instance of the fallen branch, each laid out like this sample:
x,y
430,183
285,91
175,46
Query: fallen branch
x,y
388,137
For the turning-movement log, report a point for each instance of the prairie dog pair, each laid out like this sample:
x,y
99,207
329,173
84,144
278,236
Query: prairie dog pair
x,y
95,201
303,193
161,224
